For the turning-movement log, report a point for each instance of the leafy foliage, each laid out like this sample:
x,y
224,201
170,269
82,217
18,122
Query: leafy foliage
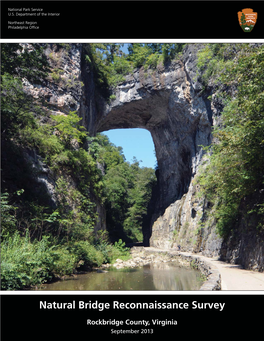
x,y
127,190
24,263
236,161
152,54
8,220
16,107
21,61
111,65
68,127
213,59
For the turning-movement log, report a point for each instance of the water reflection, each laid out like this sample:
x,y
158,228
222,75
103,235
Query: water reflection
x,y
157,276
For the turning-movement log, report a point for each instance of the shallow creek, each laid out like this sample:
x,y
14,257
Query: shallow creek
x,y
155,276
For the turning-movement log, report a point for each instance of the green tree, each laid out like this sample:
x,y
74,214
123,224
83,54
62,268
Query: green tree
x,y
138,198
128,189
22,60
138,53
16,107
69,128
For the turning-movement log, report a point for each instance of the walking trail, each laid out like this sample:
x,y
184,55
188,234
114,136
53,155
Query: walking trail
x,y
233,277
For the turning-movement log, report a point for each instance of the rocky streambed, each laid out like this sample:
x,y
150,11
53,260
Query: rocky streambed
x,y
141,256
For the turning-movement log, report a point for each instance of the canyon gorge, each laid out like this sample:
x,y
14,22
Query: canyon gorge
x,y
171,102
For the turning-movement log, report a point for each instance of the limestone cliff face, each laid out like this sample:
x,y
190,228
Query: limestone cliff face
x,y
62,92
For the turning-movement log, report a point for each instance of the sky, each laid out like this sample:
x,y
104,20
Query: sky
x,y
125,48
135,142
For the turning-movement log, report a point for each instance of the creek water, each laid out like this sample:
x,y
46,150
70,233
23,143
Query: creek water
x,y
155,276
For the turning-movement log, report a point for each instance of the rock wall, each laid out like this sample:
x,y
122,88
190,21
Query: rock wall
x,y
69,87
180,227
61,93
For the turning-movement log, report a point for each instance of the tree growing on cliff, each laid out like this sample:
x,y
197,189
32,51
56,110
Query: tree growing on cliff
x,y
236,168
68,128
23,60
111,65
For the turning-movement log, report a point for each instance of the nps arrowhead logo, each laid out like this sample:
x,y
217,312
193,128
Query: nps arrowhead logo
x,y
247,19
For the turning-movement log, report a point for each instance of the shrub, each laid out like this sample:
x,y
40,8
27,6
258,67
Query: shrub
x,y
86,254
153,60
23,263
41,137
119,250
69,128
63,261
8,221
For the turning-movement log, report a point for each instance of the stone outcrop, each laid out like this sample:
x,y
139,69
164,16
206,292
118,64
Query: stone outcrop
x,y
62,92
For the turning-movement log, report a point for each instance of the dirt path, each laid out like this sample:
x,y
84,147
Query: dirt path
x,y
233,277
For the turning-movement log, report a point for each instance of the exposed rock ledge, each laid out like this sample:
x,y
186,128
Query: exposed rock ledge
x,y
142,256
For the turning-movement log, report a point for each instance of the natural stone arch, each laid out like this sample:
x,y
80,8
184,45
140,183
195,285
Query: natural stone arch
x,y
168,101
166,104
